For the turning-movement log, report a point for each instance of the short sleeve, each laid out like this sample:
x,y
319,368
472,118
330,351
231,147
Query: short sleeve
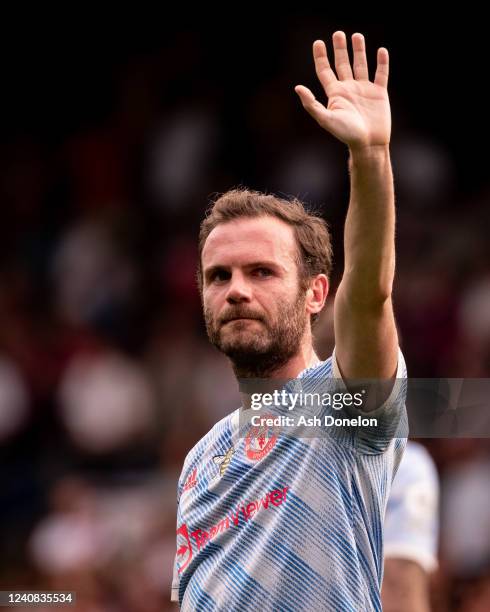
x,y
390,418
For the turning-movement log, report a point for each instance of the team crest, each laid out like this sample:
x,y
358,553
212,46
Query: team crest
x,y
259,442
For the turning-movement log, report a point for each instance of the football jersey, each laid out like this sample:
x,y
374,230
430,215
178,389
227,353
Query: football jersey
x,y
287,523
412,514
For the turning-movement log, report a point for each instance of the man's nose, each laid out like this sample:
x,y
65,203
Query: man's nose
x,y
238,290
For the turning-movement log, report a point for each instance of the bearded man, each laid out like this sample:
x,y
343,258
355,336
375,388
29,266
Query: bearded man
x,y
278,522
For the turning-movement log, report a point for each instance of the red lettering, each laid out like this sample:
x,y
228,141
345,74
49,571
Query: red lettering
x,y
219,528
251,509
234,517
201,538
263,502
276,497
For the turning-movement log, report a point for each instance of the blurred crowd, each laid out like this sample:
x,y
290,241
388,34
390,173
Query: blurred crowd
x,y
106,375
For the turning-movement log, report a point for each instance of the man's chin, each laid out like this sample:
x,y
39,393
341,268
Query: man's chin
x,y
242,344
239,324
241,331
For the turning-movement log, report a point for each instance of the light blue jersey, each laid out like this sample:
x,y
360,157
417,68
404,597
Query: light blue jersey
x,y
282,523
412,515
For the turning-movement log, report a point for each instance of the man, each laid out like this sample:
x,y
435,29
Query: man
x,y
411,533
279,522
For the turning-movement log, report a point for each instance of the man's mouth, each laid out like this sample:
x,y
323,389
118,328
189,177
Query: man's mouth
x,y
240,319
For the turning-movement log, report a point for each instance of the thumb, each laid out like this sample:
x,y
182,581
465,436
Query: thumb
x,y
305,94
313,107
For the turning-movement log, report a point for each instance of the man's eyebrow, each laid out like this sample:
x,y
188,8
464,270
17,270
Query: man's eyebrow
x,y
264,264
215,267
253,264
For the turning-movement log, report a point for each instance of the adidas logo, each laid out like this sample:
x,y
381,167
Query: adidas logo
x,y
191,480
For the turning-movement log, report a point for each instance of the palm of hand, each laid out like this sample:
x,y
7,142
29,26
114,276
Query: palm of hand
x,y
358,110
360,113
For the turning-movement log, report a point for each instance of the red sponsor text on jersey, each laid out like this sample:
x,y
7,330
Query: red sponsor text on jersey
x,y
243,513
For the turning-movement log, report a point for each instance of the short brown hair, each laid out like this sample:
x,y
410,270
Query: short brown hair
x,y
311,231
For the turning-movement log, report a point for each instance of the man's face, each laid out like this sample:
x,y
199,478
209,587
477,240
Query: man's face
x,y
254,309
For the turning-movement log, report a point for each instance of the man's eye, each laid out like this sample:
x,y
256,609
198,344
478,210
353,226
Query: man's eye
x,y
220,276
262,272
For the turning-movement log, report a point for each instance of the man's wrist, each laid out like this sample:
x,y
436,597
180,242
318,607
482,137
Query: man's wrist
x,y
362,152
369,157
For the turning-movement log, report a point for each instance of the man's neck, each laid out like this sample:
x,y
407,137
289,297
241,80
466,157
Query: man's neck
x,y
304,359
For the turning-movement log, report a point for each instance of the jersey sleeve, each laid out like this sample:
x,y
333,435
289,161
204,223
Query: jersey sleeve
x,y
412,520
390,417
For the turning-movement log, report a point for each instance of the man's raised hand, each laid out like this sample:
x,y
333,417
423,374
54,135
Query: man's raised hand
x,y
358,110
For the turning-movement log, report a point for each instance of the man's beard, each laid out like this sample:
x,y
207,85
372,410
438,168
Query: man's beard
x,y
258,352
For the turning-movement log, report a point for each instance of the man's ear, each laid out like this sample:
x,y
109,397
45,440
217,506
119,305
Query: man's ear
x,y
316,294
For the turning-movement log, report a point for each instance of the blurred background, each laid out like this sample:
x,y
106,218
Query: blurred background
x,y
115,135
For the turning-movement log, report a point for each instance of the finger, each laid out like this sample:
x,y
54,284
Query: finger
x,y
324,72
342,62
361,72
383,68
306,96
312,106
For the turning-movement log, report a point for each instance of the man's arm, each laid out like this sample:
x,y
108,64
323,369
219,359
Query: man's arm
x,y
411,533
358,114
405,587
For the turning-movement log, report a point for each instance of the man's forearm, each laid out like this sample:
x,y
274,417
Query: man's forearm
x,y
369,234
405,587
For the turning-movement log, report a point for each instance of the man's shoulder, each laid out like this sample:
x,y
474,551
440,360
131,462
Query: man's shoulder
x,y
219,435
322,368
